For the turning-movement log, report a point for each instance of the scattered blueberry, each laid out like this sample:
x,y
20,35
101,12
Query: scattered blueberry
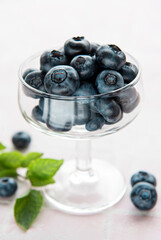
x,y
76,46
52,59
8,186
29,70
94,47
144,196
85,66
143,176
110,56
21,140
96,122
109,109
37,114
62,80
128,99
129,71
109,80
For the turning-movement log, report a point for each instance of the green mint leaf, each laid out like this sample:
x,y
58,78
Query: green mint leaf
x,y
8,173
43,168
30,157
27,208
11,160
38,182
2,147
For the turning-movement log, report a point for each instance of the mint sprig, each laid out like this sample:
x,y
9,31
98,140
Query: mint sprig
x,y
11,160
30,157
27,208
40,172
8,173
2,147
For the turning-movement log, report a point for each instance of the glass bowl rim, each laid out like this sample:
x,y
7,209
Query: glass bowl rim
x,y
70,98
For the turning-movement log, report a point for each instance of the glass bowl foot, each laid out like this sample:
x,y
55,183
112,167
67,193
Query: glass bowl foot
x,y
86,192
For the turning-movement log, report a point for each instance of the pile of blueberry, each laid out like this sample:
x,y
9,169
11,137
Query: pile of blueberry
x,y
143,194
81,68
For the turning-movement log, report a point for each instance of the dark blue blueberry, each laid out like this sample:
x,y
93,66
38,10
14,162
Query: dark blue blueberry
x,y
96,122
21,140
94,47
52,59
144,196
60,115
29,70
85,66
128,99
111,57
85,89
8,186
76,46
129,71
143,176
35,79
109,109
37,114
62,80
109,80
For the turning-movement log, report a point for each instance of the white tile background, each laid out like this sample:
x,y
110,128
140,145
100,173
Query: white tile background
x,y
30,26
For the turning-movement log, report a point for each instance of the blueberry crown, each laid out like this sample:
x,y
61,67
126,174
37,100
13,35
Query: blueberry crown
x,y
58,76
110,79
56,54
78,38
114,48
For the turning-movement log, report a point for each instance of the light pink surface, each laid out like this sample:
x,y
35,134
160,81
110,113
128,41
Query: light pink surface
x,y
30,26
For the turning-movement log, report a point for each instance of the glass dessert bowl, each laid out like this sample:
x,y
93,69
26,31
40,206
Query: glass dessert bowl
x,y
90,185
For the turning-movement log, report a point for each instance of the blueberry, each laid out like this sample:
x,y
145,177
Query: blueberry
x,y
21,140
109,80
29,70
60,115
37,114
94,47
109,109
85,89
128,99
96,122
143,176
129,71
110,56
85,66
62,80
52,59
144,196
76,46
35,79
8,186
